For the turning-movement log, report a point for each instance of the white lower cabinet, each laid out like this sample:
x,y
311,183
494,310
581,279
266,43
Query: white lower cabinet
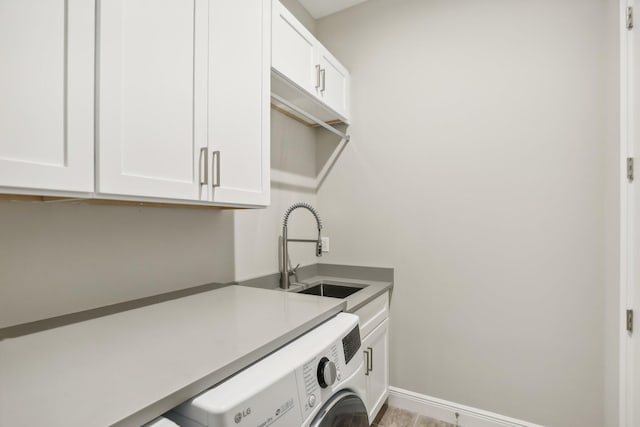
x,y
376,357
374,326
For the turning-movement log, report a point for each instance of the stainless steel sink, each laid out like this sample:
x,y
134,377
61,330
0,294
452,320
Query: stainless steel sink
x,y
332,289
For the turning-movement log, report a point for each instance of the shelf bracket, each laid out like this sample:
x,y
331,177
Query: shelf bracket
x,y
312,184
314,119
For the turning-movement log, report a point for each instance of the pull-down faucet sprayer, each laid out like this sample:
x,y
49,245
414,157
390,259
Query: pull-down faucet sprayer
x,y
286,271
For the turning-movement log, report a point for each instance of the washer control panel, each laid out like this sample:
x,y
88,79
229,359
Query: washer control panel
x,y
319,375
327,368
326,372
311,386
351,344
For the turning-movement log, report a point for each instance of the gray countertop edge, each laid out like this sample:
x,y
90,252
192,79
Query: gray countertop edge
x,y
152,411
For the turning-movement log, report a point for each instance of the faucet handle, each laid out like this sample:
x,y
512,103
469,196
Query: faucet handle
x,y
294,272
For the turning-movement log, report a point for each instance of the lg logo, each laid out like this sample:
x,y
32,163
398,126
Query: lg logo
x,y
240,415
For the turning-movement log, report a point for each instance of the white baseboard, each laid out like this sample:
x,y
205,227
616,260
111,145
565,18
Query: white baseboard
x,y
446,411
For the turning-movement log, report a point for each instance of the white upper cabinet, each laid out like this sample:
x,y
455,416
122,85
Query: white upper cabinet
x,y
181,107
46,101
184,100
239,101
152,105
334,82
294,53
305,72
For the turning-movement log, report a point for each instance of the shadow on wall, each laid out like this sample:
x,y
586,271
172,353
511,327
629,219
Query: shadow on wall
x,y
66,257
301,156
293,168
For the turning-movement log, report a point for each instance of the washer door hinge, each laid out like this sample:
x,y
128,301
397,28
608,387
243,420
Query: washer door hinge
x,y
630,321
630,169
629,17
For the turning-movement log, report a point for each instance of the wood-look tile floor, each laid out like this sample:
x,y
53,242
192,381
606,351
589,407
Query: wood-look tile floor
x,y
396,417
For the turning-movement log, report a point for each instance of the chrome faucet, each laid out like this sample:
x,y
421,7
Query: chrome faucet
x,y
286,270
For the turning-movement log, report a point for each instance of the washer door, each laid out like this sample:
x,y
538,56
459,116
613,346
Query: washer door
x,y
345,409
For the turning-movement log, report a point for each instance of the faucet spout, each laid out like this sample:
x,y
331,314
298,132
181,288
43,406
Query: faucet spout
x,y
285,271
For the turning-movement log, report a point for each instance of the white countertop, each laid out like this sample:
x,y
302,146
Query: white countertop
x,y
128,367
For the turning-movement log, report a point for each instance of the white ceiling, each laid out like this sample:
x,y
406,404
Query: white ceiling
x,y
320,8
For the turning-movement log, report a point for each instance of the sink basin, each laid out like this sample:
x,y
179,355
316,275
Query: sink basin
x,y
333,290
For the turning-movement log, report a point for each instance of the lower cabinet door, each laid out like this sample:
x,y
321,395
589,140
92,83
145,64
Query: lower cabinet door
x,y
376,358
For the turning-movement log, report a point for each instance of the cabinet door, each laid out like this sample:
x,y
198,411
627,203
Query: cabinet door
x,y
46,87
239,99
376,359
152,96
294,55
334,83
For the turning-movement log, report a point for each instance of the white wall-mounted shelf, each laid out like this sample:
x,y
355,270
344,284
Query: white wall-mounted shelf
x,y
292,110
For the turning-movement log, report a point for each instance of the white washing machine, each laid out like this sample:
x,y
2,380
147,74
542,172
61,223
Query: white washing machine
x,y
316,380
160,422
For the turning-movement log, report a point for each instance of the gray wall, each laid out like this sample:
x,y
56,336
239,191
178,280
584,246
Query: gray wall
x,y
477,169
62,258
257,231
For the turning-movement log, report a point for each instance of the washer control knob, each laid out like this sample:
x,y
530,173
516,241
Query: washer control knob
x,y
326,372
312,400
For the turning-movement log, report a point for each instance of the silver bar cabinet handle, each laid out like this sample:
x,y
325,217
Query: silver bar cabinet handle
x,y
366,362
323,73
204,157
370,358
216,155
317,76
